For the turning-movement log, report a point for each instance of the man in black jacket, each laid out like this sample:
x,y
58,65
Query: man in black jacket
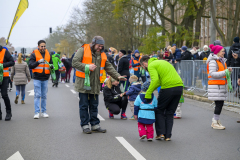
x,y
7,61
41,73
123,67
110,58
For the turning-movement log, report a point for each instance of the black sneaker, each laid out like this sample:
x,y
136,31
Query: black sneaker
x,y
8,117
99,130
1,116
87,131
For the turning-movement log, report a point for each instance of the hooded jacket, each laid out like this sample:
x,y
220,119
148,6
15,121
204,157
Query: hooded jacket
x,y
111,95
216,92
144,109
56,60
162,74
133,91
231,62
123,66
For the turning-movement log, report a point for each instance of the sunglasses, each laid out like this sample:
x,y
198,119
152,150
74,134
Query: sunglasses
x,y
43,46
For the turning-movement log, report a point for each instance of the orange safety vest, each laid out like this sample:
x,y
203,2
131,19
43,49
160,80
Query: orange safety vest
x,y
217,81
40,67
135,62
5,70
87,59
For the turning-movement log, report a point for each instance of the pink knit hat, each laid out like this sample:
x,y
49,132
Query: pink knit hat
x,y
215,49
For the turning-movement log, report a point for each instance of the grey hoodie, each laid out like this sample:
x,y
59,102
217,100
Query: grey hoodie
x,y
216,92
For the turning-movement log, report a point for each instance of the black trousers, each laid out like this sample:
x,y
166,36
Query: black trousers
x,y
218,107
57,76
168,100
4,93
10,82
116,107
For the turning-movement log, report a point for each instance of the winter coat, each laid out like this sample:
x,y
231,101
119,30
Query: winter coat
x,y
185,56
231,62
94,75
129,57
216,92
162,74
177,54
123,66
133,91
20,73
166,57
145,110
136,73
204,55
56,61
33,64
111,95
195,54
116,59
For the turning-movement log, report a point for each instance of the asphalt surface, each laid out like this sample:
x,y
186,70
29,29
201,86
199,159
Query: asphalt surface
x,y
60,137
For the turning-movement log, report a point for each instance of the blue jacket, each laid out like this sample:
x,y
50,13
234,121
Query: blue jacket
x,y
129,57
136,73
145,110
177,54
133,91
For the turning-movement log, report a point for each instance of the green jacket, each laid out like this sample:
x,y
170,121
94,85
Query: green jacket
x,y
94,76
162,74
55,59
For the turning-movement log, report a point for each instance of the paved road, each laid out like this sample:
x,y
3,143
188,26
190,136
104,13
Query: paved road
x,y
60,136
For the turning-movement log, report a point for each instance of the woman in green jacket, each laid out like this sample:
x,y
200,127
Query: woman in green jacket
x,y
56,61
163,74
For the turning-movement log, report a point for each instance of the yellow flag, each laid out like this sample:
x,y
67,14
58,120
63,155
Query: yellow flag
x,y
22,6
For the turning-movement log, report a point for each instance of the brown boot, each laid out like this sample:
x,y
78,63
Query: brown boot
x,y
23,102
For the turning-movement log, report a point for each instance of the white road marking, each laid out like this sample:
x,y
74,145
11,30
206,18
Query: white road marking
x,y
16,156
73,91
130,149
101,118
67,85
31,92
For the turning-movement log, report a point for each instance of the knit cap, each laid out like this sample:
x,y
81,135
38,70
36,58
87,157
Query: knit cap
x,y
136,51
215,49
217,42
145,86
236,39
205,46
184,48
174,45
133,79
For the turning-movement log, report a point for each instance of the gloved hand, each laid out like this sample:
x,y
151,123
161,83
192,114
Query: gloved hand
x,y
51,66
41,61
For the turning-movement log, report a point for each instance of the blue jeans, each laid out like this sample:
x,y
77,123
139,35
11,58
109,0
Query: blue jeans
x,y
88,102
40,91
22,89
74,75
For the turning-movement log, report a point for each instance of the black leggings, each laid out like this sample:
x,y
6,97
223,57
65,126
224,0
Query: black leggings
x,y
218,107
115,108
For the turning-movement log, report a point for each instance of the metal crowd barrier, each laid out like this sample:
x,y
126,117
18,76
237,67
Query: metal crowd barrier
x,y
195,78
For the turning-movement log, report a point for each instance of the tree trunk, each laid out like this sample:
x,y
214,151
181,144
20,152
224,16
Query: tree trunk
x,y
216,25
198,23
234,33
213,28
229,24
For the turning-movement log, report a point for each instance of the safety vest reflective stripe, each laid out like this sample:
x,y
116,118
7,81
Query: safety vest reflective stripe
x,y
5,71
101,68
217,79
79,71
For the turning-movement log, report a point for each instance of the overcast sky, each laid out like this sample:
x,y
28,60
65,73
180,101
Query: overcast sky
x,y
34,24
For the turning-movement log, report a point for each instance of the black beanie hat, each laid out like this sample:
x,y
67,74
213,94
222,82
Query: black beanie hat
x,y
123,51
129,51
236,39
105,50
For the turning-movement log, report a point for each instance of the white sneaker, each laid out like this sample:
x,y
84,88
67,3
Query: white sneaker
x,y
36,116
217,124
45,115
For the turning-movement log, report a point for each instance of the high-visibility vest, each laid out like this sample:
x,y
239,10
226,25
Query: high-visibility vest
x,y
5,70
87,59
135,62
217,81
40,67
